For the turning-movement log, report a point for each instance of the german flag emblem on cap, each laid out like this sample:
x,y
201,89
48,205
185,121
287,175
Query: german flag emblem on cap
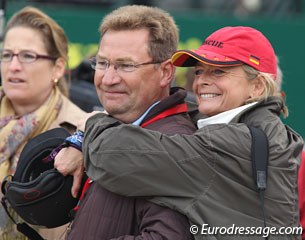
x,y
254,59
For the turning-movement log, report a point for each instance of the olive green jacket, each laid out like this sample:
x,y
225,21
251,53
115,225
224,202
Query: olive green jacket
x,y
208,175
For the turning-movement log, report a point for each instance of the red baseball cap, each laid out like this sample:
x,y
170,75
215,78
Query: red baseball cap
x,y
231,46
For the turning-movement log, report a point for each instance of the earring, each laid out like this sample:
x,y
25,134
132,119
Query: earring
x,y
55,81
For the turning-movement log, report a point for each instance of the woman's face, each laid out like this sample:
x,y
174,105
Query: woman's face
x,y
219,89
27,83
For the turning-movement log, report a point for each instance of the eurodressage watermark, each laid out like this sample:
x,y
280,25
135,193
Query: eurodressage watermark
x,y
205,229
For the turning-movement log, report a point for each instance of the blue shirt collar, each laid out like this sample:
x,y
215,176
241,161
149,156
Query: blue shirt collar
x,y
140,119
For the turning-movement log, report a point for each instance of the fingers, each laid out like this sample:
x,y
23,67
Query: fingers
x,y
77,180
69,161
59,162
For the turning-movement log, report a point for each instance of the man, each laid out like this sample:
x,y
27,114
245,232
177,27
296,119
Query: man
x,y
133,77
208,175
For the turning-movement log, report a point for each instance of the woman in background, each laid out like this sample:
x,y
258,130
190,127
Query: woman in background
x,y
33,96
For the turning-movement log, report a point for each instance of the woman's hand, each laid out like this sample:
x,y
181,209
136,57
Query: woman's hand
x,y
70,161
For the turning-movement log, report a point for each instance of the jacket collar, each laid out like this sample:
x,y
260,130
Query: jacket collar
x,y
224,117
272,104
177,96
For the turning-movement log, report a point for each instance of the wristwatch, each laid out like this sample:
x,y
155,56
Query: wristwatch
x,y
75,140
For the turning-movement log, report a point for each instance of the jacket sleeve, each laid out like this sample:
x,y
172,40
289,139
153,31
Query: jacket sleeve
x,y
155,222
131,161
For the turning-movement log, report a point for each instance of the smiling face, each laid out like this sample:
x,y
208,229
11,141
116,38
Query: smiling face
x,y
127,95
27,84
220,89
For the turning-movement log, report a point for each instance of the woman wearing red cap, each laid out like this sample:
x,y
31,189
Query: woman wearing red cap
x,y
208,176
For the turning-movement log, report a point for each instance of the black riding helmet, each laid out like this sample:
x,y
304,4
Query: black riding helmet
x,y
38,193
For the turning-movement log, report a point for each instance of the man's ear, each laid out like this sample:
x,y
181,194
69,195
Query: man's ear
x,y
258,86
167,73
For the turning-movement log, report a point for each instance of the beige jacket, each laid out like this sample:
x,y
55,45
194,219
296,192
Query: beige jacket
x,y
68,116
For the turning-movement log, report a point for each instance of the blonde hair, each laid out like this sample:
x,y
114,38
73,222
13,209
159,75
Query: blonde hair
x,y
54,37
271,86
163,32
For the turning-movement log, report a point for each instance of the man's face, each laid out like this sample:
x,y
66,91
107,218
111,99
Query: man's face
x,y
127,95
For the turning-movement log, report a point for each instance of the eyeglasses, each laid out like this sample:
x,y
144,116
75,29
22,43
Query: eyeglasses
x,y
23,56
120,66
